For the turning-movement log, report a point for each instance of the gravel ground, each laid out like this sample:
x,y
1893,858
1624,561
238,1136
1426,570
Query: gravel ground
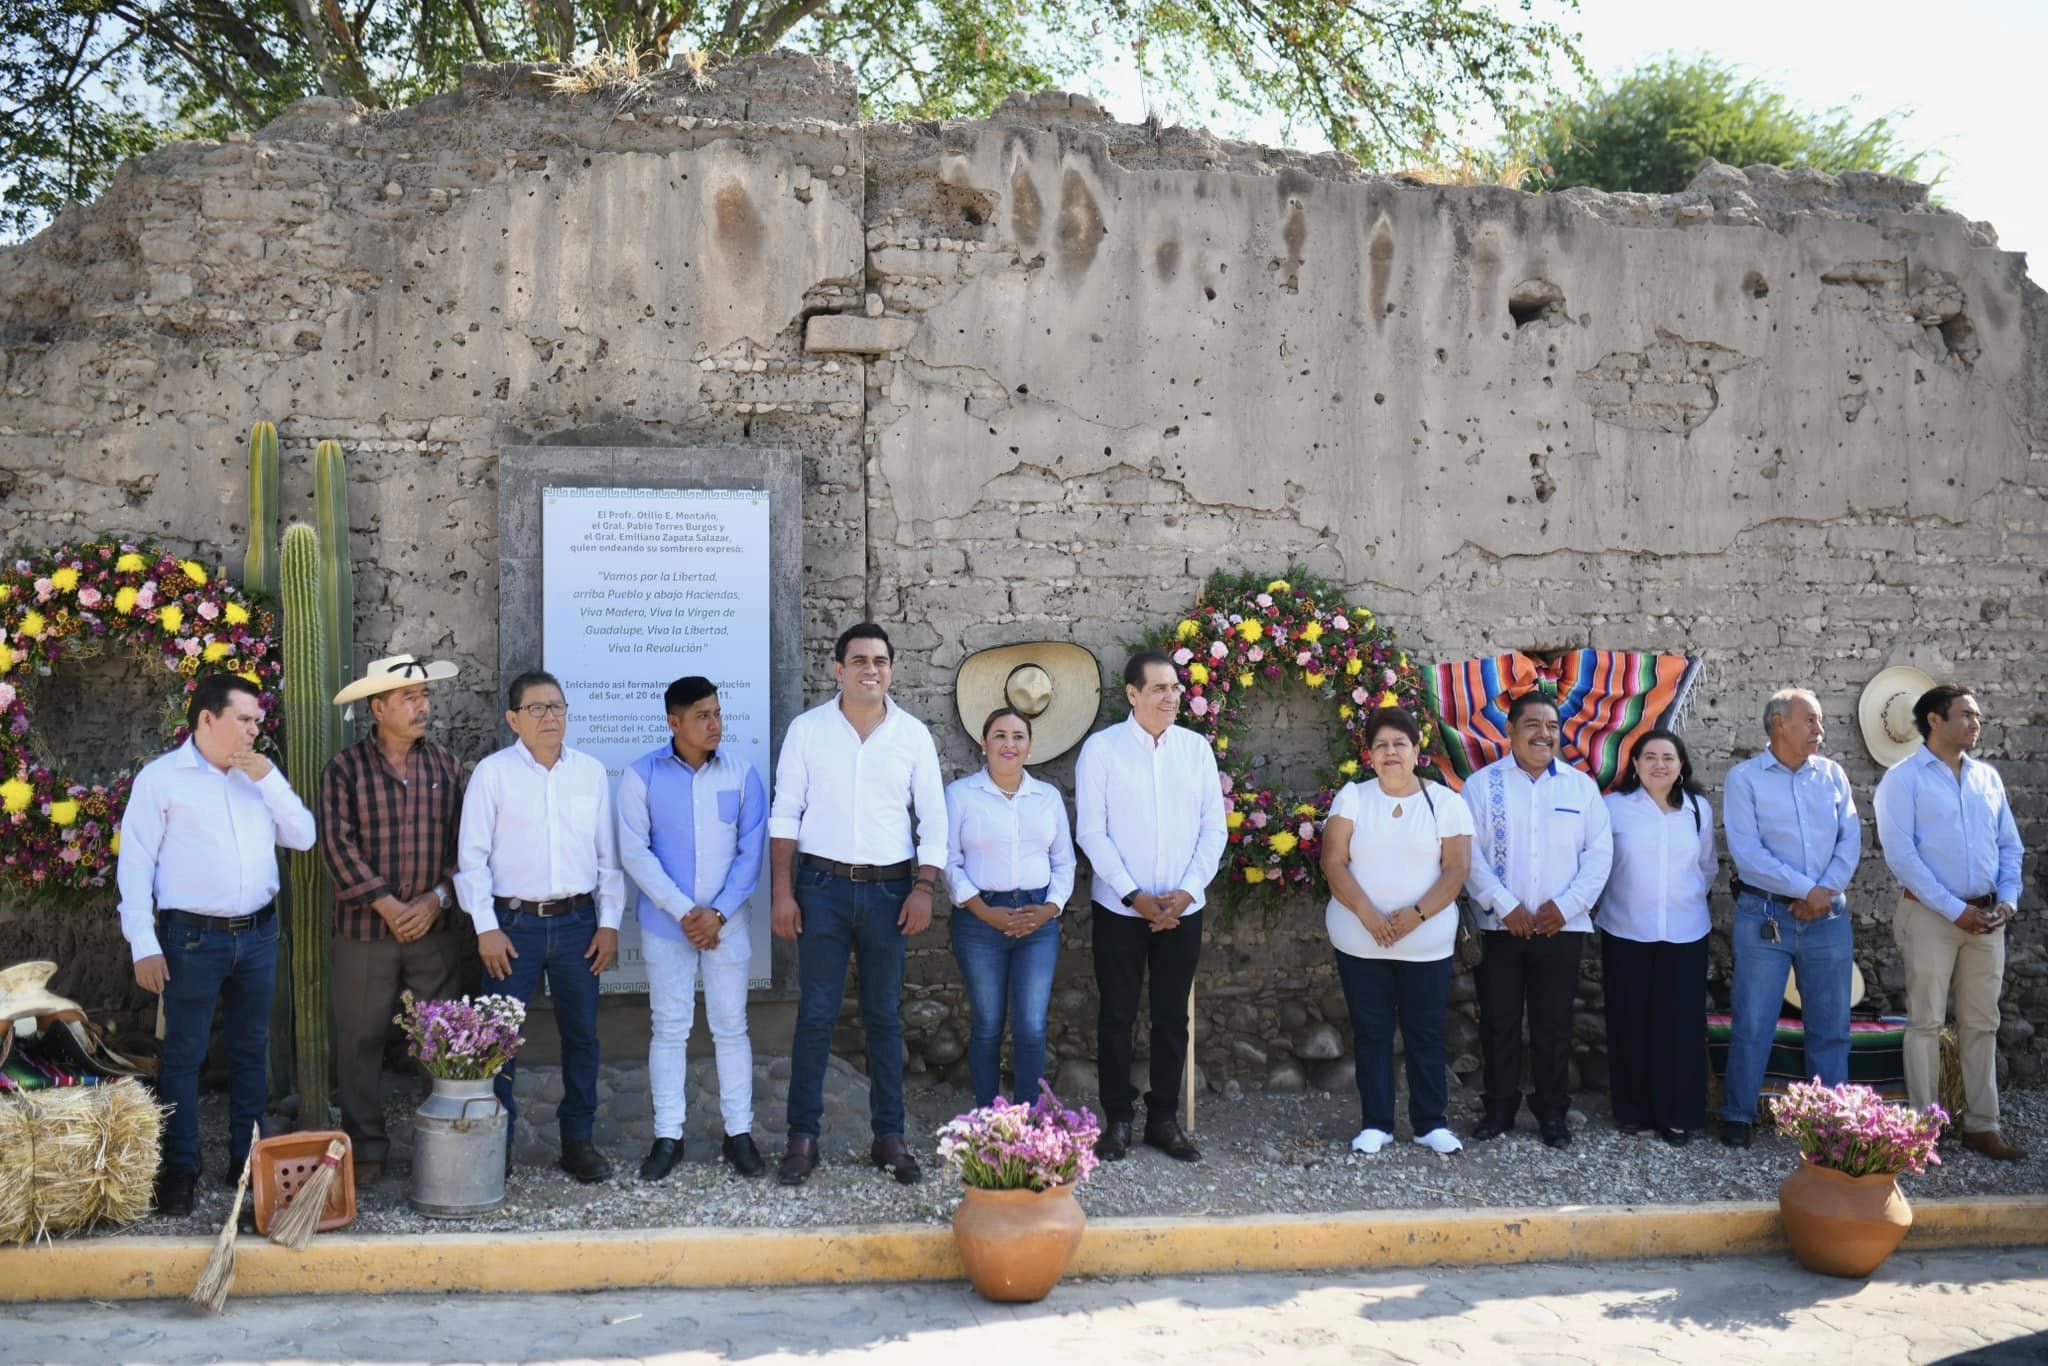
x,y
1264,1154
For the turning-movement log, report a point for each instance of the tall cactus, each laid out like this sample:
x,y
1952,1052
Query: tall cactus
x,y
337,581
259,564
308,710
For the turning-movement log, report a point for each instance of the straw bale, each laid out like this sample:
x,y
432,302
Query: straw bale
x,y
75,1157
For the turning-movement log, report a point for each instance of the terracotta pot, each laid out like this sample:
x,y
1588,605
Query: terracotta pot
x,y
1017,1244
1842,1225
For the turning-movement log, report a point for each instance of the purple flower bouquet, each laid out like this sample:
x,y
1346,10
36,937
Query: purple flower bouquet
x,y
1853,1130
1013,1146
465,1040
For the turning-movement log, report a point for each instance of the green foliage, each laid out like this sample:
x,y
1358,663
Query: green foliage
x,y
1650,130
259,563
308,747
85,83
337,583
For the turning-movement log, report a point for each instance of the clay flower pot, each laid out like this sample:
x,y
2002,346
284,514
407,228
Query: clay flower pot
x,y
1842,1225
1017,1243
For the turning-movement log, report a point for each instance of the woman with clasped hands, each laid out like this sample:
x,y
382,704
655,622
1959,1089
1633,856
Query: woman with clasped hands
x,y
1010,863
1395,855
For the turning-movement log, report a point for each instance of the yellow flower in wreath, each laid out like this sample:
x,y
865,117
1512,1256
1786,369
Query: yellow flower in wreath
x,y
236,614
1314,680
1244,680
124,600
1312,632
1222,743
63,813
1345,711
1186,630
1279,586
1198,673
1305,809
6,659
1234,820
216,651
250,674
172,618
192,570
65,579
6,591
114,844
1283,843
1390,698
1349,768
1251,629
1352,667
1255,874
131,563
14,796
32,626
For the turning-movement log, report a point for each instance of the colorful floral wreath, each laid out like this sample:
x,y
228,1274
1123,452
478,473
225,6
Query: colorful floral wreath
x,y
1247,635
75,602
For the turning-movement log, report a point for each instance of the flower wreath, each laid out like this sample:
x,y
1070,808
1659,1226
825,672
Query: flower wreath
x,y
75,602
1247,635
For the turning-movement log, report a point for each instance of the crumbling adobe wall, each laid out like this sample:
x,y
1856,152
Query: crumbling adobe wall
x,y
1048,371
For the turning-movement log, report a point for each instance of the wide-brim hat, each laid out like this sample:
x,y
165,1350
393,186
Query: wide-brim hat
x,y
399,671
1855,987
1885,712
24,992
1055,684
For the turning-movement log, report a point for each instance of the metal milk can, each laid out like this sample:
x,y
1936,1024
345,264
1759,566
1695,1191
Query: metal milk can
x,y
458,1151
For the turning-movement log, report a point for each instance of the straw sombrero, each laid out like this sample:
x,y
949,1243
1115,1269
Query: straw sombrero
x,y
399,671
1855,987
25,993
1054,683
1885,711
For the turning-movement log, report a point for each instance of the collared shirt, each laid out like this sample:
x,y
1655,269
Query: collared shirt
x,y
1664,862
1007,844
697,843
538,834
1948,839
849,800
1537,839
1148,815
387,831
197,838
1789,832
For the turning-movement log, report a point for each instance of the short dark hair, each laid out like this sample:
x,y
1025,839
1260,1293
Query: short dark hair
x,y
1392,718
1935,702
860,630
1632,781
1135,666
989,721
212,692
1535,697
687,691
532,678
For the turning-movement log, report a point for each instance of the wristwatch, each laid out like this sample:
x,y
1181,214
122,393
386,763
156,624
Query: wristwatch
x,y
721,914
1131,897
441,896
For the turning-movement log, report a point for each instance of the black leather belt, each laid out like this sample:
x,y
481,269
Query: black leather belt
x,y
231,924
863,872
566,905
1740,888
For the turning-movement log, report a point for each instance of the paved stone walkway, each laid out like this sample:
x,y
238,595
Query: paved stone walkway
x,y
1983,1308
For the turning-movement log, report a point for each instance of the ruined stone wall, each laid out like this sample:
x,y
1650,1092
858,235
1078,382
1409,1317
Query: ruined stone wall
x,y
1048,371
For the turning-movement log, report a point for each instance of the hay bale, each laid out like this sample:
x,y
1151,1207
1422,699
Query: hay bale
x,y
1951,1093
76,1157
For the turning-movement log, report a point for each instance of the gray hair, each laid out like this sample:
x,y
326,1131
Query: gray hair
x,y
1781,702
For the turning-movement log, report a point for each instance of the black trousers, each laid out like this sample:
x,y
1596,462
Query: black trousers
x,y
1126,946
1656,1031
1537,977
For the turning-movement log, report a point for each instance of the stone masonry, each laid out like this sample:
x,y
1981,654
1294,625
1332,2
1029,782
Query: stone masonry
x,y
1046,372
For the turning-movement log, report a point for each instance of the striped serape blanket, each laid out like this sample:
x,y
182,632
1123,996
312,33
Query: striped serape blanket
x,y
1877,1054
1605,700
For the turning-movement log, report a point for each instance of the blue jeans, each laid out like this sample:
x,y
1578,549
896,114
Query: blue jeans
x,y
1005,975
842,920
1380,994
238,969
555,945
1823,951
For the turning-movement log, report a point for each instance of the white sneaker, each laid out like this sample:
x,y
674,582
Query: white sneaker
x,y
1442,1142
1371,1141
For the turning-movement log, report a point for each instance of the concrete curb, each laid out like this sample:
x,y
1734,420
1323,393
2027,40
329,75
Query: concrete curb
x,y
343,1264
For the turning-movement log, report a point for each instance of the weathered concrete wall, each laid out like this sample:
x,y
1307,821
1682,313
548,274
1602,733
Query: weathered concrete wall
x,y
1048,371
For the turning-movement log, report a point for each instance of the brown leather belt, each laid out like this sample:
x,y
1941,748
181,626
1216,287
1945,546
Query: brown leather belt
x,y
863,872
1978,903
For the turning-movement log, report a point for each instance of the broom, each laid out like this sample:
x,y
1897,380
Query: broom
x,y
295,1227
212,1290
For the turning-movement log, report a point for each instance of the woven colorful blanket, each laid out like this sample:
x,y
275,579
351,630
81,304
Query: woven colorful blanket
x,y
1877,1054
1605,699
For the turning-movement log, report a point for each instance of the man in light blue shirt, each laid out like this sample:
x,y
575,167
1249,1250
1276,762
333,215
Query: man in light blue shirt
x,y
1949,838
1795,839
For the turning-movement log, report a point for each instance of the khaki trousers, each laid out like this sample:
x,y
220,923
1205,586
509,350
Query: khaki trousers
x,y
369,974
1941,959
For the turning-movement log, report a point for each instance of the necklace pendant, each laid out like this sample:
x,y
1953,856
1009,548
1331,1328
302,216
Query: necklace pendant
x,y
1397,811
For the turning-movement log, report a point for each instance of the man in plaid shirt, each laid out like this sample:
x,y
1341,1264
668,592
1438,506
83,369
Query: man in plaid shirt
x,y
389,806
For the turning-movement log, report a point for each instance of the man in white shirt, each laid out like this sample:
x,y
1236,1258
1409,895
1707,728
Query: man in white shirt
x,y
537,870
1148,807
198,873
839,836
1541,851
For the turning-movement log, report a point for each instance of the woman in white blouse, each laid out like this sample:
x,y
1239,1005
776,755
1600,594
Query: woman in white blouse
x,y
1396,854
1653,942
1010,862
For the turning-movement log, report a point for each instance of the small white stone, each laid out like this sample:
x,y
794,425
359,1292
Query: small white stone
x,y
874,305
839,170
393,190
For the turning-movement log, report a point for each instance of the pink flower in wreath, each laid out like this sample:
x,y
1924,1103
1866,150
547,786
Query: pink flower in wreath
x,y
1306,830
188,645
145,597
88,597
7,696
1255,654
1217,649
1341,622
208,611
1387,677
1199,706
1257,820
1359,696
69,853
1223,778
1304,657
43,590
1264,599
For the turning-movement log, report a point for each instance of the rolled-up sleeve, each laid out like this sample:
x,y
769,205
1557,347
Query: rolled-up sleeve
x,y
792,786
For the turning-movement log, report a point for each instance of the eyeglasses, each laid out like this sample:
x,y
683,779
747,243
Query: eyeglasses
x,y
545,711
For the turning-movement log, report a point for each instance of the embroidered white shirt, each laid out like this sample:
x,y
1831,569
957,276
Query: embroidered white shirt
x,y
1149,816
1664,863
1007,844
538,834
1535,840
850,800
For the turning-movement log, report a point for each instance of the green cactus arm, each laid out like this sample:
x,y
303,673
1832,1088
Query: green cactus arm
x,y
337,579
308,747
259,564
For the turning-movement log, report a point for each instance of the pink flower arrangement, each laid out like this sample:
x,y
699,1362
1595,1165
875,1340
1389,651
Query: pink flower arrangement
x,y
467,1040
1013,1146
1852,1130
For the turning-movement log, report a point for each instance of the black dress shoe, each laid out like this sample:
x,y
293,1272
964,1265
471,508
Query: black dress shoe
x,y
1166,1135
661,1159
1630,1127
1114,1141
1492,1127
582,1160
893,1156
799,1162
174,1193
1736,1135
1677,1138
1556,1133
745,1158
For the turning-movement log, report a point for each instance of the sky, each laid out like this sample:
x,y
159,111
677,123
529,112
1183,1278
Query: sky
x,y
1965,78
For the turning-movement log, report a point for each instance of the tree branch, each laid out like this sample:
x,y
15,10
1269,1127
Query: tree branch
x,y
786,17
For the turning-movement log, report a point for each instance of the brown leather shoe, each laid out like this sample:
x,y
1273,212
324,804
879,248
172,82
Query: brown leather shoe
x,y
799,1162
893,1156
1992,1144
